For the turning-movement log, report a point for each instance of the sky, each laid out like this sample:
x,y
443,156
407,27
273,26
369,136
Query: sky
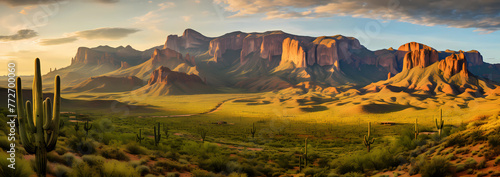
x,y
52,30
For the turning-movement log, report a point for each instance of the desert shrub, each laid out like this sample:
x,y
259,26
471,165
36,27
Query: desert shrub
x,y
93,160
61,171
353,174
69,159
315,172
134,148
143,170
54,157
214,163
4,143
456,139
477,135
201,173
438,166
84,170
459,167
470,163
237,175
114,168
114,153
497,160
377,159
494,140
481,164
78,144
168,165
22,169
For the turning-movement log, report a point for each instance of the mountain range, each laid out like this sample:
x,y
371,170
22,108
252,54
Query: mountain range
x,y
276,60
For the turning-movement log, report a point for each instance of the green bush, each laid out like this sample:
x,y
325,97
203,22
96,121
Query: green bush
x,y
494,140
143,170
134,148
22,167
78,144
377,159
69,158
201,173
93,160
114,153
54,157
61,171
84,170
114,168
437,167
168,165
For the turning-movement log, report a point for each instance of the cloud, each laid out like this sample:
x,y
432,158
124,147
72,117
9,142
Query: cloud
x,y
166,5
106,33
186,18
94,34
57,41
41,2
20,35
482,15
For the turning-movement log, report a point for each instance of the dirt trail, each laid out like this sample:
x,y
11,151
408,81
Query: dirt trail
x,y
215,109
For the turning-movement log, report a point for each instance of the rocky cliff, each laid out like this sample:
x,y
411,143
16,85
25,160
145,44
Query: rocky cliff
x,y
453,64
420,58
190,39
164,81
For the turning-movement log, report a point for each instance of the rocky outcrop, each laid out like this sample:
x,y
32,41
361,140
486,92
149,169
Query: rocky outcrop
x,y
166,76
474,58
190,39
453,64
86,55
231,41
420,58
164,54
293,52
411,46
124,65
329,50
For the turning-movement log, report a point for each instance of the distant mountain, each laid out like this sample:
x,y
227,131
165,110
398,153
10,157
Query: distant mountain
x,y
164,81
107,84
268,61
423,73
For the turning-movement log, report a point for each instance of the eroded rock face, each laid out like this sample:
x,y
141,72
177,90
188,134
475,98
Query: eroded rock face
x,y
329,50
411,46
218,46
124,65
453,64
164,54
164,75
189,39
474,58
293,52
420,58
88,56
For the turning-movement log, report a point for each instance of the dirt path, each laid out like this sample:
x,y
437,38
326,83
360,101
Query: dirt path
x,y
215,109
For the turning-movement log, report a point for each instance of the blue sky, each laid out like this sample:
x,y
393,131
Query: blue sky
x,y
53,30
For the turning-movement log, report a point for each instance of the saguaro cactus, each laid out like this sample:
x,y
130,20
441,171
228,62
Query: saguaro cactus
x,y
39,124
367,141
416,129
139,136
439,125
253,130
77,127
87,127
305,154
157,134
203,133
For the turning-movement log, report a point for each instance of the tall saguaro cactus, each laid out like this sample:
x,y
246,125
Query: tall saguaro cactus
x,y
87,127
305,154
367,141
439,125
39,124
157,134
139,136
416,129
253,130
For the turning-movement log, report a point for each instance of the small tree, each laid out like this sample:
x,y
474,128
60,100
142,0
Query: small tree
x,y
203,133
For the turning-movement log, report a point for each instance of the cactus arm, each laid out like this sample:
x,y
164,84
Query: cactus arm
x,y
47,110
26,139
56,108
24,112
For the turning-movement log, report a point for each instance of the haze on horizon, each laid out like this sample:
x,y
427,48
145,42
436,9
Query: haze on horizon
x,y
53,30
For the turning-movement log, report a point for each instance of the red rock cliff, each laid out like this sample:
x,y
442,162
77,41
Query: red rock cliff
x,y
420,58
453,64
166,76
